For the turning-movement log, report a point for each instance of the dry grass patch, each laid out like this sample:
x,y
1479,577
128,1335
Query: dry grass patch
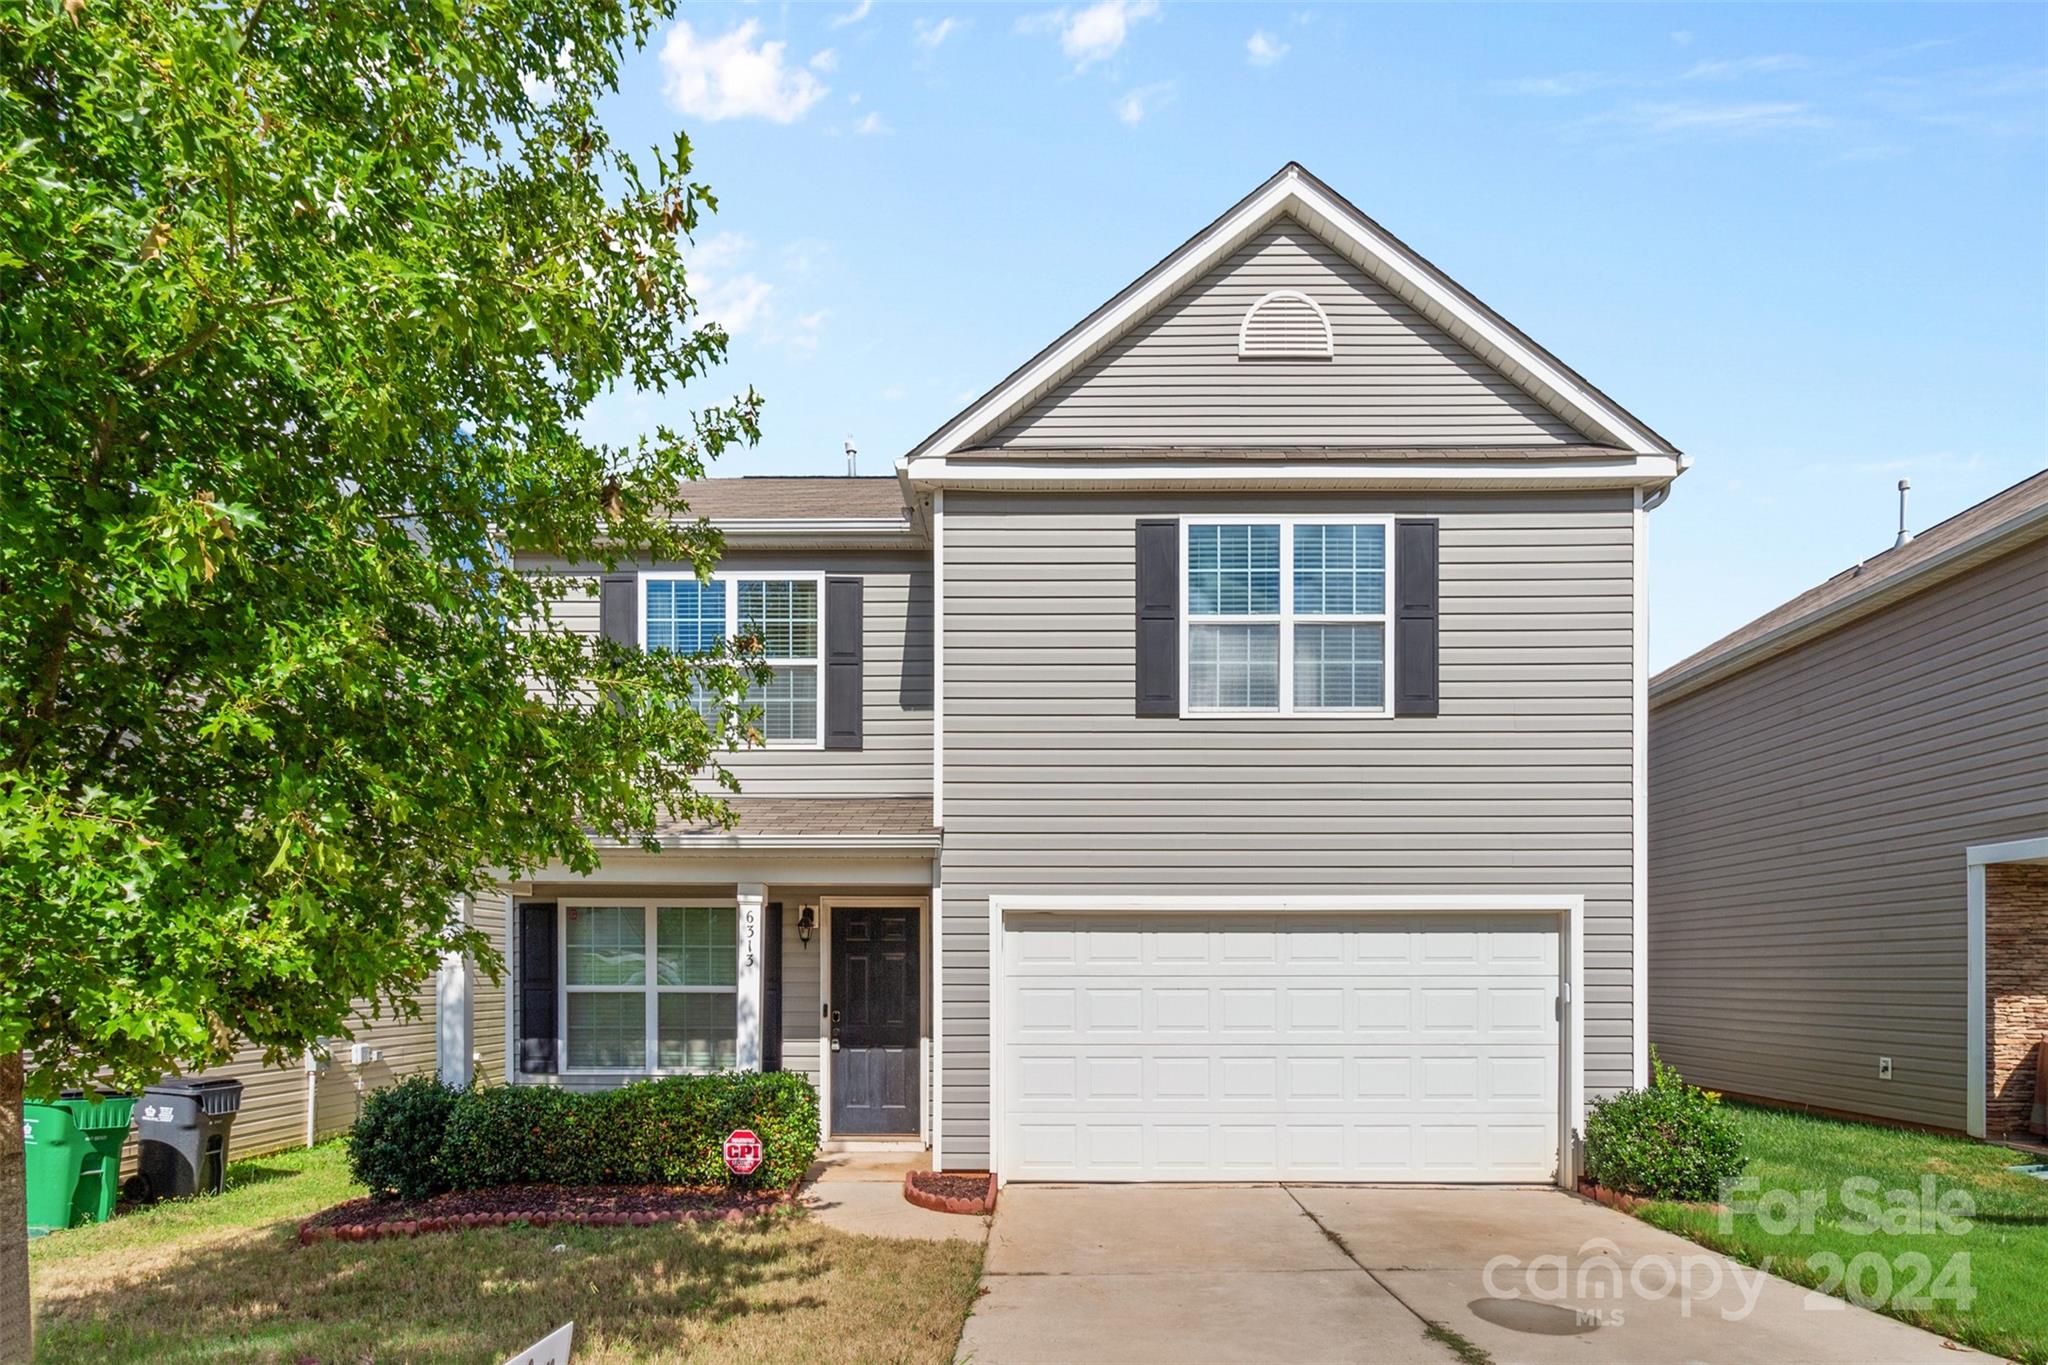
x,y
240,1288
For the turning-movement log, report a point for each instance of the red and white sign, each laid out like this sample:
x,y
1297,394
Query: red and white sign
x,y
742,1152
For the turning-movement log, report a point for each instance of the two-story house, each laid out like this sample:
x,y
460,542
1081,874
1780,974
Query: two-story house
x,y
1217,753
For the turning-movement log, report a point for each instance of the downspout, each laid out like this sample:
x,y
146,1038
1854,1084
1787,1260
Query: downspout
x,y
1656,499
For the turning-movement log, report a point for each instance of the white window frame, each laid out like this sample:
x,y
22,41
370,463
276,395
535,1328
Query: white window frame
x,y
1286,619
651,990
732,578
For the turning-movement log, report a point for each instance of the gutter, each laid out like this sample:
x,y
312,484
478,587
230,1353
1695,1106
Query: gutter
x,y
843,845
1937,568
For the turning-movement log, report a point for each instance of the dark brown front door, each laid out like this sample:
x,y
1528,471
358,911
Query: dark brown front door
x,y
874,1019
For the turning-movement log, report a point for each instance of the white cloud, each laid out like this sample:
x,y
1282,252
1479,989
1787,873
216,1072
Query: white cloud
x,y
732,77
892,394
1666,120
929,35
1263,49
1735,68
825,60
870,124
1094,34
1567,84
852,16
731,293
1137,104
1683,37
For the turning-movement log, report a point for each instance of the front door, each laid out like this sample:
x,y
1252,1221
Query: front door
x,y
874,1019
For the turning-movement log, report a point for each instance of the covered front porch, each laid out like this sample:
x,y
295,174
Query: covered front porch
x,y
799,941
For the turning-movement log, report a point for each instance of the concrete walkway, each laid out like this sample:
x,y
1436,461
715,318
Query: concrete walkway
x,y
1352,1273
862,1193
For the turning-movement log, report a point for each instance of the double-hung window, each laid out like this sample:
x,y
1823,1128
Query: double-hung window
x,y
1286,615
781,611
649,987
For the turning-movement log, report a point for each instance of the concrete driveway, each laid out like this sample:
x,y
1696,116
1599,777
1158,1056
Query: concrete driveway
x,y
1339,1273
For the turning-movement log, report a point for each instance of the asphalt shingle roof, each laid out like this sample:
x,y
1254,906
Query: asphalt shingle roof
x,y
822,496
2022,499
823,817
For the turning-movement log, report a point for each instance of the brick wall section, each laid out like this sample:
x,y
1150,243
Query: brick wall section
x,y
2016,981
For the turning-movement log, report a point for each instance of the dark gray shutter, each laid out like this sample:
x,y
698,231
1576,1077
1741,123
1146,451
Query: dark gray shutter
x,y
1415,617
539,972
619,608
842,663
771,988
1158,618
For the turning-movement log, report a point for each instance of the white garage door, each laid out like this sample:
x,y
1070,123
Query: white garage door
x,y
1267,1047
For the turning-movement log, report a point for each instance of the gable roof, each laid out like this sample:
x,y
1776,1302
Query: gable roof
x,y
1999,524
1294,193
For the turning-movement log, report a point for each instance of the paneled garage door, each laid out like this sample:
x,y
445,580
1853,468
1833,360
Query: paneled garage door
x,y
1248,1047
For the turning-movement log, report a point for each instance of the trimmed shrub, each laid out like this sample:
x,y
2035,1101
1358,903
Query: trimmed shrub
x,y
394,1146
1671,1141
661,1132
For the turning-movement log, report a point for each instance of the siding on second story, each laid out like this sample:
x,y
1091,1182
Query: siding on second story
x,y
895,757
1394,378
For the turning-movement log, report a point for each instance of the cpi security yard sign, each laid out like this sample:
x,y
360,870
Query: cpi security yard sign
x,y
742,1152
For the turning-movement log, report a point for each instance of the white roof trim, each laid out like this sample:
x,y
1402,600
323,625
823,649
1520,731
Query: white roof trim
x,y
1294,193
842,844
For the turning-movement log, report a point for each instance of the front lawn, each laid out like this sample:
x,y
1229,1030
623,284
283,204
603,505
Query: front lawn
x,y
225,1279
2005,1245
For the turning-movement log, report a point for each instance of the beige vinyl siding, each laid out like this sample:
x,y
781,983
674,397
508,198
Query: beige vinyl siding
x,y
273,1113
488,1012
1176,378
1053,785
896,678
1808,820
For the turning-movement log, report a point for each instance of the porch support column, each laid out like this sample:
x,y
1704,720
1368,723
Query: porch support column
x,y
752,898
455,1006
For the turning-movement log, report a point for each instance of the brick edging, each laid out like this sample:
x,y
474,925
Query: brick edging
x,y
941,1203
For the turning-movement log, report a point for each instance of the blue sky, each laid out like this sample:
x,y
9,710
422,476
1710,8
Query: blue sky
x,y
1807,243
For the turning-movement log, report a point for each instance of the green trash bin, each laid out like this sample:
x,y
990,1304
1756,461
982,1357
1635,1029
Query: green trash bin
x,y
73,1146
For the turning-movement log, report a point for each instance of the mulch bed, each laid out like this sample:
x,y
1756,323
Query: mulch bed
x,y
601,1206
951,1191
1629,1203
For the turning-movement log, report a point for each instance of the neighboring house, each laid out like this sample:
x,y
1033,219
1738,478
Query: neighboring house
x,y
1216,755
296,1105
1849,836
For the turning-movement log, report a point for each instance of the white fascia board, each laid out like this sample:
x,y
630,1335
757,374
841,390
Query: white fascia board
x,y
1639,471
1293,194
843,846
842,533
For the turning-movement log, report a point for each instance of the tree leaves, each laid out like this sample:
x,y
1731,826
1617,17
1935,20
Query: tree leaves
x,y
301,308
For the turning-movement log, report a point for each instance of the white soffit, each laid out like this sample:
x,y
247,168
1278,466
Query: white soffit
x,y
1295,194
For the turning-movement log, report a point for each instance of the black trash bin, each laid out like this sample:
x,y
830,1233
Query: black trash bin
x,y
182,1130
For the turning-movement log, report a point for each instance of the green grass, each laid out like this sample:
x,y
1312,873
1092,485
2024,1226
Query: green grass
x,y
225,1279
2006,1244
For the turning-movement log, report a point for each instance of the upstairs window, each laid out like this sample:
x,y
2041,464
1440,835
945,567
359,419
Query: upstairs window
x,y
681,613
1286,616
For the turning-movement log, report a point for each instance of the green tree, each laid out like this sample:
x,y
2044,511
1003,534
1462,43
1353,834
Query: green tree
x,y
301,306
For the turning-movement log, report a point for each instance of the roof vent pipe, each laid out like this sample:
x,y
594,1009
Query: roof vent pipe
x,y
851,455
1905,536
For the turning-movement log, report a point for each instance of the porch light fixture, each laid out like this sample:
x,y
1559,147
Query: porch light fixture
x,y
806,920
